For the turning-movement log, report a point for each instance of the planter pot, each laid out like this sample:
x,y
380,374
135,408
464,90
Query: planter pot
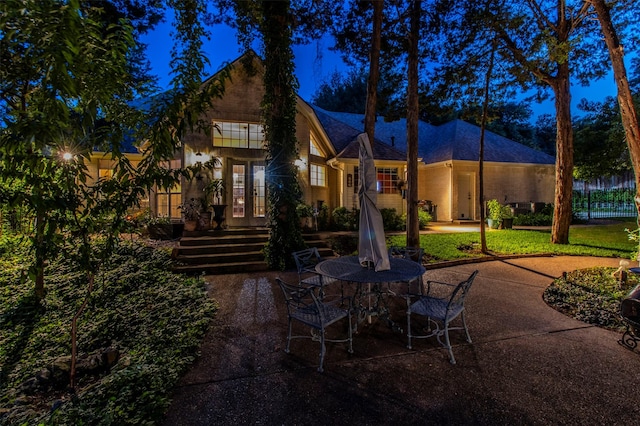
x,y
160,231
492,223
190,225
218,215
204,222
507,223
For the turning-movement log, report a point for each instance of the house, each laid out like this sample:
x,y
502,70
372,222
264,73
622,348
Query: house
x,y
327,163
328,160
449,166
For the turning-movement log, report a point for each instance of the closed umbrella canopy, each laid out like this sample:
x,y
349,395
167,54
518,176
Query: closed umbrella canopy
x,y
372,247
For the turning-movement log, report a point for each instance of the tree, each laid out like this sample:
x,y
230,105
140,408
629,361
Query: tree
x,y
279,110
65,84
625,99
601,149
374,71
413,38
541,40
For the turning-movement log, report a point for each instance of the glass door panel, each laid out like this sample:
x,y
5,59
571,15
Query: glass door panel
x,y
259,192
239,190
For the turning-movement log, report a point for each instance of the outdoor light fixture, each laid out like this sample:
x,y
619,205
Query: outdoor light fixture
x,y
67,156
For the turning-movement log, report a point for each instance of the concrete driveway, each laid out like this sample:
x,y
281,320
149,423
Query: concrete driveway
x,y
528,364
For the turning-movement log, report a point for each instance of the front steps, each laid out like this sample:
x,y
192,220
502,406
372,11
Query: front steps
x,y
230,251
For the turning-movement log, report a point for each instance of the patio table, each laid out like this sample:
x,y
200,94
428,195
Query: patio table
x,y
349,269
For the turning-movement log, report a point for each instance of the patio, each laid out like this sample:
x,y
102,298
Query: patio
x,y
528,364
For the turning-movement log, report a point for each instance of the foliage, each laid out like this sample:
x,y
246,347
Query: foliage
x,y
191,209
498,211
154,318
344,245
591,295
533,219
424,218
323,218
600,146
391,221
279,115
214,188
344,219
304,210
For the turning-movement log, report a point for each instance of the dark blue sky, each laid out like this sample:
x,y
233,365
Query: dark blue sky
x,y
314,64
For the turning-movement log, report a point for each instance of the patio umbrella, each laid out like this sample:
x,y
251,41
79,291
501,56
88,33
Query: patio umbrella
x,y
372,247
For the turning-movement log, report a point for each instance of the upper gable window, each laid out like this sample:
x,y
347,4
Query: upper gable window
x,y
313,146
238,135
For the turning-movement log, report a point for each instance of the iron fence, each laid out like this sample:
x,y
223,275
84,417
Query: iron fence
x,y
604,203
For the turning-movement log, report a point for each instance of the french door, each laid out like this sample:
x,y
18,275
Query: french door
x,y
247,193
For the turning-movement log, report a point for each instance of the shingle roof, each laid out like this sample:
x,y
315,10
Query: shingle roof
x,y
455,140
344,139
459,140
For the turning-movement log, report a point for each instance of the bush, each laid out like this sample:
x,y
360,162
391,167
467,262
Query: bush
x,y
392,221
344,219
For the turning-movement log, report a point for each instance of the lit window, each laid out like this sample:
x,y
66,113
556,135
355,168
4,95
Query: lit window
x,y
313,146
387,180
238,135
318,175
167,201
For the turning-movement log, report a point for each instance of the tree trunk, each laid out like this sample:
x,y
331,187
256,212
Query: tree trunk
x,y
625,99
483,125
374,71
564,157
413,228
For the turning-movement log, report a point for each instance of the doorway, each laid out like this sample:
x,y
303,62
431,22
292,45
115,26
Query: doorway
x,y
247,194
465,196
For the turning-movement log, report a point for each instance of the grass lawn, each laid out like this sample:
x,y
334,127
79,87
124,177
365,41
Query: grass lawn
x,y
601,240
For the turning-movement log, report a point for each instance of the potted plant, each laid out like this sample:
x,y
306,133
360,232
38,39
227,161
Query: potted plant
x,y
160,228
191,211
495,213
305,213
215,190
506,220
500,216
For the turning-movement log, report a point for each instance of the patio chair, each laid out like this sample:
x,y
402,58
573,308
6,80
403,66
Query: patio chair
x,y
409,253
306,261
441,304
305,307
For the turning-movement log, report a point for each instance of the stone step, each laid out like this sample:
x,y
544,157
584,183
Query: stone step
x,y
231,250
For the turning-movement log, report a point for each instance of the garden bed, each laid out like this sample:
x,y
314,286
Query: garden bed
x,y
591,295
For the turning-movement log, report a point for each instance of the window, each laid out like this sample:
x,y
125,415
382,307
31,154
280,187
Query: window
x,y
387,180
105,169
238,135
167,202
318,175
313,146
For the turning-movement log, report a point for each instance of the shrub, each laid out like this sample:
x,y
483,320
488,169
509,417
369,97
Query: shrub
x,y
391,220
344,219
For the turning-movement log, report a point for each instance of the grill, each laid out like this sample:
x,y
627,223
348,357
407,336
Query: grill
x,y
630,312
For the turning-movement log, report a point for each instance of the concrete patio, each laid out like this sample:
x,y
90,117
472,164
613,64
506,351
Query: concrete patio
x,y
528,364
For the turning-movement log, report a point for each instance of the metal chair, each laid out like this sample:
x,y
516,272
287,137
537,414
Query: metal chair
x,y
441,304
305,307
410,253
306,261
